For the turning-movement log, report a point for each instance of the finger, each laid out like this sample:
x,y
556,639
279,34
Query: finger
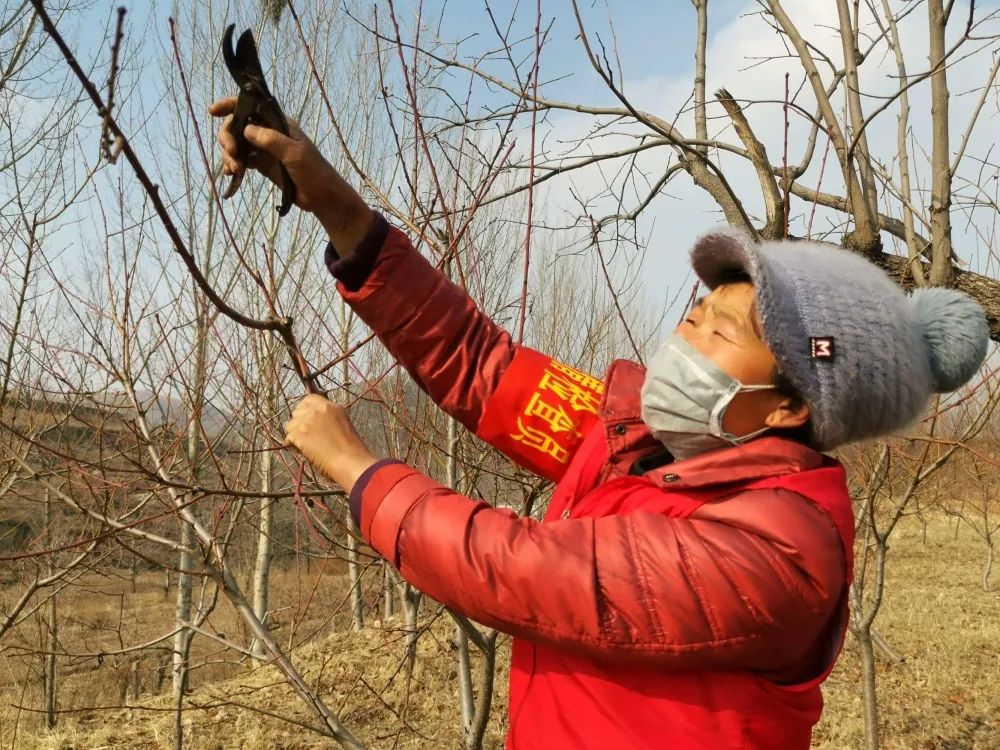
x,y
234,185
227,139
270,141
294,130
308,405
231,166
300,414
222,107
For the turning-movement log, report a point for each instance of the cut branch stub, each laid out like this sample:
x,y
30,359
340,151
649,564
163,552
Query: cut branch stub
x,y
774,203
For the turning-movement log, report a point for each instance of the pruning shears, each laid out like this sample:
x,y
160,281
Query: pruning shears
x,y
255,105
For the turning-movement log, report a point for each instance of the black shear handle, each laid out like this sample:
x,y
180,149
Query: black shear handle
x,y
288,191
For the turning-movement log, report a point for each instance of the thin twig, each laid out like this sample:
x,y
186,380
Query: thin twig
x,y
595,239
112,147
819,185
784,163
531,173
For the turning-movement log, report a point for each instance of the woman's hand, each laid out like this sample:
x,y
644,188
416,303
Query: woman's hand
x,y
321,430
319,187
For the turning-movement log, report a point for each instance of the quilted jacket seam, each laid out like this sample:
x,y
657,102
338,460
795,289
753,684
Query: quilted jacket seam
x,y
645,589
704,604
733,580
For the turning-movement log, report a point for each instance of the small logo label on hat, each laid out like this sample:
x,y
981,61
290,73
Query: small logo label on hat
x,y
821,347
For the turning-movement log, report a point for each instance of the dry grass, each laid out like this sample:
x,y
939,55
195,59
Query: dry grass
x,y
358,675
945,695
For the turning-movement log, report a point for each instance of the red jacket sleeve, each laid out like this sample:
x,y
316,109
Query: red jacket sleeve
x,y
527,405
750,582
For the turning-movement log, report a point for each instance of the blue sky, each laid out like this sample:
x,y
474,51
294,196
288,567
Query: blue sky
x,y
655,43
654,38
651,34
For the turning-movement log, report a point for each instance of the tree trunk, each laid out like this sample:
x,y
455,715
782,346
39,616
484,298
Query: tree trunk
x,y
353,567
466,700
482,716
869,696
265,551
388,592
988,567
940,210
410,600
182,640
185,564
354,577
863,614
161,673
134,688
50,665
852,92
52,638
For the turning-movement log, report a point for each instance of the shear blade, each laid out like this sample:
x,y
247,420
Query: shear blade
x,y
227,53
247,57
243,62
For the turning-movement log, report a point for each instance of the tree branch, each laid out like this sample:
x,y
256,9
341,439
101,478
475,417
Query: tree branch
x,y
865,235
774,204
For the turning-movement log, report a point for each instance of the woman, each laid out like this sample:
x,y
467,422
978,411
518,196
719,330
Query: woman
x,y
687,587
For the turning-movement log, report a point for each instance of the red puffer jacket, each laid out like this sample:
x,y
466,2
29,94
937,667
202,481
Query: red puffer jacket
x,y
694,605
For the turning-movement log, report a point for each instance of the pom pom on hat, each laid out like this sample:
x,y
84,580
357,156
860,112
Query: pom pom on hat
x,y
954,328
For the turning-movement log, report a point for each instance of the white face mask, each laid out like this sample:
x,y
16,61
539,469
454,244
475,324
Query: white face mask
x,y
685,397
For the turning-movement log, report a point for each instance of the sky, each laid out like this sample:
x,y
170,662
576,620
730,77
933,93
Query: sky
x,y
655,44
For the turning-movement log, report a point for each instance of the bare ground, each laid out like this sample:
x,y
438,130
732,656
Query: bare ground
x,y
945,695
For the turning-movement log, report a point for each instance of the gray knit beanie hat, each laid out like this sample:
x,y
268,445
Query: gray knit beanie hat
x,y
865,356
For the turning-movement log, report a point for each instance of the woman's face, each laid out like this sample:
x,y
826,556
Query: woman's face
x,y
724,327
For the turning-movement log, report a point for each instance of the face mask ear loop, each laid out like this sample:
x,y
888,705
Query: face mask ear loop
x,y
746,438
719,411
715,417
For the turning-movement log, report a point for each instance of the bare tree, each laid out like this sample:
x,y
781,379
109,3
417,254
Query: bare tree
x,y
975,508
177,354
887,496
